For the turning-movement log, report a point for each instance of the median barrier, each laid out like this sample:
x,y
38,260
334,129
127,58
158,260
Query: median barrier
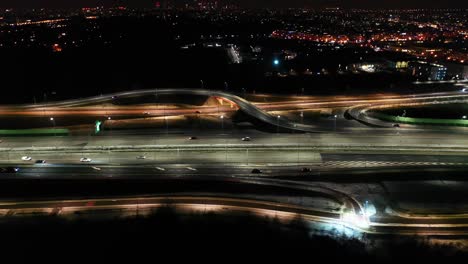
x,y
34,132
236,147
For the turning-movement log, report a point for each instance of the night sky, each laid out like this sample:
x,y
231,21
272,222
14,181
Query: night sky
x,y
248,3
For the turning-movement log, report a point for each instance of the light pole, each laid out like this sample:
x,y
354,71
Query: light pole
x,y
156,99
110,126
202,84
298,145
302,117
53,122
222,123
277,123
334,123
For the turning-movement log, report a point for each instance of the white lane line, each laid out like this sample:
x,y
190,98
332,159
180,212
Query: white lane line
x,y
192,169
161,169
96,168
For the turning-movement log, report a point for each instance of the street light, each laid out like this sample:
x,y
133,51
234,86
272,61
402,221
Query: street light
x,y
464,117
222,122
110,118
302,117
53,122
334,126
202,84
277,123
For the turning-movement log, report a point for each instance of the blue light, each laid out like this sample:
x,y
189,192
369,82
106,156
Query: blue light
x,y
276,62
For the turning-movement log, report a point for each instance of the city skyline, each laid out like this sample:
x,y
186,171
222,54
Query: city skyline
x,y
242,3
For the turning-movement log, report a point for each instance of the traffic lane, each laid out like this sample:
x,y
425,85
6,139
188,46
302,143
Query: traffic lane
x,y
390,219
219,156
134,172
96,204
238,172
364,137
326,157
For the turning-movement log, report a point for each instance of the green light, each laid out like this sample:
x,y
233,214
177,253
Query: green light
x,y
98,127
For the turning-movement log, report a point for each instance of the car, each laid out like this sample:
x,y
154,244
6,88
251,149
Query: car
x,y
141,157
305,169
256,171
146,113
197,112
192,138
246,139
41,161
464,89
9,170
26,158
85,160
396,125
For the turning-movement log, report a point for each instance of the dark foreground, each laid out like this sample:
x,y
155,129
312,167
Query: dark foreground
x,y
167,236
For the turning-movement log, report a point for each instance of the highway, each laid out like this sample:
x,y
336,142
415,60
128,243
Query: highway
x,y
454,139
111,207
335,152
256,111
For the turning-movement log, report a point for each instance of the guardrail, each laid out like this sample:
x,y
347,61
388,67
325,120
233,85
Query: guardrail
x,y
419,121
34,132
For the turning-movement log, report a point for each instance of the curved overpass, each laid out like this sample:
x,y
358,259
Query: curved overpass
x,y
360,112
244,105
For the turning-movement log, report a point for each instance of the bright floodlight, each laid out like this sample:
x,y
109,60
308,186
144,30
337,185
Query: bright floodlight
x,y
279,117
222,117
357,220
276,62
464,117
51,119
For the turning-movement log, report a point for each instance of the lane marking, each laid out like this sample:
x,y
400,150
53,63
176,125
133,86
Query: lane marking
x,y
192,169
161,169
96,168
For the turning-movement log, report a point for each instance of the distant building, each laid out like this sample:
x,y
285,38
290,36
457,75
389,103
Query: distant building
x,y
9,17
457,71
428,71
206,4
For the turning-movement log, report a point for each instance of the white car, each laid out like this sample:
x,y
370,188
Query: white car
x,y
246,139
141,157
26,158
85,160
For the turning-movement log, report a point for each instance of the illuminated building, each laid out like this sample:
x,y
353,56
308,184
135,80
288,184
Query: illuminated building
x,y
429,71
